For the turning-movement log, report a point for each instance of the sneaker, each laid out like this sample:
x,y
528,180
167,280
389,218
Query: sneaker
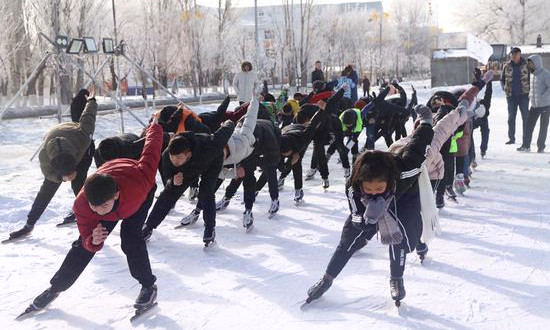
x,y
191,218
248,219
298,195
397,289
146,297
222,204
319,288
45,298
326,183
311,174
511,142
347,173
274,206
523,149
459,183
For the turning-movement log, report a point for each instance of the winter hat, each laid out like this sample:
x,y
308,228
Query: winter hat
x,y
109,149
349,117
360,104
83,92
64,163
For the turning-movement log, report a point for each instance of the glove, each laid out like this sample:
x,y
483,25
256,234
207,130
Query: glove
x,y
424,114
390,234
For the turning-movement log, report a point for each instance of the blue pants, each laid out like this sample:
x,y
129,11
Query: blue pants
x,y
515,101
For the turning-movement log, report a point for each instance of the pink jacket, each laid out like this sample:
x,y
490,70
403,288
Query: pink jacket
x,y
443,130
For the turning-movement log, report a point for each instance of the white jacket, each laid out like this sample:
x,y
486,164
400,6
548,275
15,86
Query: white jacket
x,y
244,83
241,142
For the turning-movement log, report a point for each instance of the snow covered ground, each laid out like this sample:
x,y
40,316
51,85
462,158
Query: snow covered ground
x,y
489,269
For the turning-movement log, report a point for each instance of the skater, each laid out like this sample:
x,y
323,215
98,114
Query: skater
x,y
191,156
383,197
66,155
540,104
122,189
266,155
239,146
184,119
295,140
245,82
514,80
366,86
351,124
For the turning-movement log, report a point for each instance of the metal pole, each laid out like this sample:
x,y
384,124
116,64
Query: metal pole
x,y
117,72
24,86
256,35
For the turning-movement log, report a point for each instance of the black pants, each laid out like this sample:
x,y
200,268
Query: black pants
x,y
319,159
338,145
49,188
132,243
207,197
354,239
296,174
534,115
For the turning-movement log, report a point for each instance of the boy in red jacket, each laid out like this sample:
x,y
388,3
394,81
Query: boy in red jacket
x,y
120,189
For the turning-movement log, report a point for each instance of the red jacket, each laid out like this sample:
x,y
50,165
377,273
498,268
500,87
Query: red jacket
x,y
321,96
134,180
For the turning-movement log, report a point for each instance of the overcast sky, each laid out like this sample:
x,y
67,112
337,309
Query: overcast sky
x,y
445,9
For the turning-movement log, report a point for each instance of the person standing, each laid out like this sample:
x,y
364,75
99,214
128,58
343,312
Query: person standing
x,y
515,83
355,79
540,104
317,74
366,86
245,82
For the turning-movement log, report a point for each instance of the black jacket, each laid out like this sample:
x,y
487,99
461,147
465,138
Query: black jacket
x,y
213,119
128,146
191,124
78,104
317,75
267,148
322,133
207,151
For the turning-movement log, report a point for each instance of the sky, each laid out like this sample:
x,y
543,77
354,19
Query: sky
x,y
445,9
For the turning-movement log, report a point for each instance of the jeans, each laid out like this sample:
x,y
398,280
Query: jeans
x,y
515,101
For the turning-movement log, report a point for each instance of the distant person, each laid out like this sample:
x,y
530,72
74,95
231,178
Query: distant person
x,y
317,74
515,83
355,79
366,86
540,104
245,82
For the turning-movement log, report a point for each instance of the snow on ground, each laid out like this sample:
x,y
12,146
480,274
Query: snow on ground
x,y
488,270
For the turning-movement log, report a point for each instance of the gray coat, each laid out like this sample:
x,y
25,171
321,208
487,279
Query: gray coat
x,y
241,143
540,84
